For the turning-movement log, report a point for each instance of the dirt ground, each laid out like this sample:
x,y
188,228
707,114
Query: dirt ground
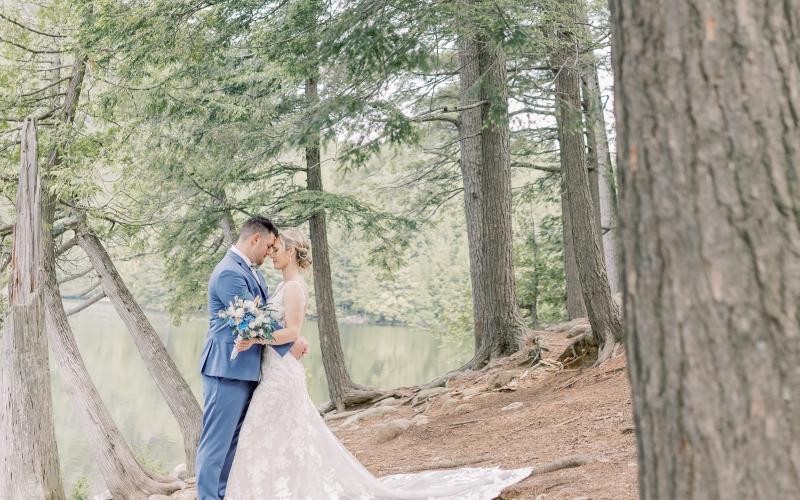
x,y
564,413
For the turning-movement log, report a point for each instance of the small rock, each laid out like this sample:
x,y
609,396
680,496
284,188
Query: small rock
x,y
370,412
388,402
106,495
464,408
449,403
513,406
470,392
390,430
499,379
180,472
426,394
190,494
421,420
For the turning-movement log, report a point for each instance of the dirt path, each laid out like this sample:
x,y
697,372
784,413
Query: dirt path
x,y
563,413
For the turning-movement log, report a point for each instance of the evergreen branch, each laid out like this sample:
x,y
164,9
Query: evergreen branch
x,y
12,21
28,49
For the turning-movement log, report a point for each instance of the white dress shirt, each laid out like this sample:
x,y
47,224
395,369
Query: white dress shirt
x,y
247,261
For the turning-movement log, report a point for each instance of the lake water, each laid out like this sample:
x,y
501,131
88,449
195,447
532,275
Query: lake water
x,y
378,356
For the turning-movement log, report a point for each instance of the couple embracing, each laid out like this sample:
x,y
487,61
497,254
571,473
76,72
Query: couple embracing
x,y
262,436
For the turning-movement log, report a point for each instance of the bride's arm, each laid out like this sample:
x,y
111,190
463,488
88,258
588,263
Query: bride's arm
x,y
294,301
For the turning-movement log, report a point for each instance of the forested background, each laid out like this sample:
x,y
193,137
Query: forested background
x,y
190,115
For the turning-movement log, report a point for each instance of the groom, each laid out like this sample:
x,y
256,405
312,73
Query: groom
x,y
228,384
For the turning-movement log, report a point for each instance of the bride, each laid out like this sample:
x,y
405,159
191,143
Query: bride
x,y
286,450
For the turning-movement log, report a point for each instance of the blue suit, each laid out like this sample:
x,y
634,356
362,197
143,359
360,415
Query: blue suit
x,y
228,384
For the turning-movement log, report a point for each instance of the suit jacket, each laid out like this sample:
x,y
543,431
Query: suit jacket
x,y
232,278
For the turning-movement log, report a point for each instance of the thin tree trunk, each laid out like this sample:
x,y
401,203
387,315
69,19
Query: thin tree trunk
x,y
575,306
342,390
603,313
162,368
597,138
592,168
29,466
470,160
123,475
708,106
534,306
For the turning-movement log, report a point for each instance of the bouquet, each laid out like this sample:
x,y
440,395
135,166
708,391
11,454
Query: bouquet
x,y
249,319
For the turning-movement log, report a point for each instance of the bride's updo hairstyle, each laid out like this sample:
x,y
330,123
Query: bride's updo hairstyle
x,y
294,238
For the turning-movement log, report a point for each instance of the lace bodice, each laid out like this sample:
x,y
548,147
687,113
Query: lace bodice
x,y
275,302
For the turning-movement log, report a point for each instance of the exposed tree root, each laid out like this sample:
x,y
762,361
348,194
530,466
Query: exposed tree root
x,y
446,465
562,463
585,350
358,395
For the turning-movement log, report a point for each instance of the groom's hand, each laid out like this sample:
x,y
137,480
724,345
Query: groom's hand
x,y
300,347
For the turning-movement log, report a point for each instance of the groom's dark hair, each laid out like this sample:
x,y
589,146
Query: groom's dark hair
x,y
257,224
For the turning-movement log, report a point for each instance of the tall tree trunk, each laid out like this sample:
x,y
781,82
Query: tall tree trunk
x,y
603,313
342,390
159,363
572,279
597,139
29,466
486,170
123,475
470,160
502,324
592,164
708,106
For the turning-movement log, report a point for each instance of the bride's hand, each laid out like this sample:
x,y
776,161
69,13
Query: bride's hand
x,y
243,345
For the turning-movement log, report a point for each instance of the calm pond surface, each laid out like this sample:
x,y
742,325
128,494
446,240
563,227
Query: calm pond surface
x,y
379,356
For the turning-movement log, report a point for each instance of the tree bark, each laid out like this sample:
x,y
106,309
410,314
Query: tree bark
x,y
229,235
342,390
572,281
502,323
534,306
123,475
470,159
29,465
486,171
597,140
603,313
162,368
707,102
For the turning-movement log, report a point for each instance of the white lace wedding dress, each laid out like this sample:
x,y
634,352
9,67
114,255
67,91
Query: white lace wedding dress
x,y
287,452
